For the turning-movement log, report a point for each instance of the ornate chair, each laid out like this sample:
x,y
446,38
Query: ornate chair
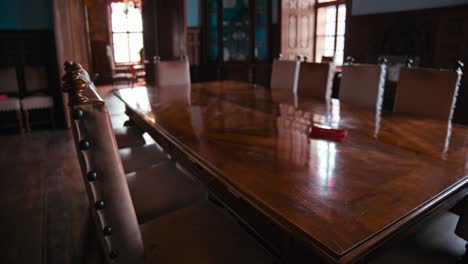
x,y
284,74
155,189
428,93
315,80
363,85
200,233
134,154
328,59
174,72
9,90
119,73
37,97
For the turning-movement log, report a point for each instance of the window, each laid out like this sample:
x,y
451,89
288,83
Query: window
x,y
127,32
330,32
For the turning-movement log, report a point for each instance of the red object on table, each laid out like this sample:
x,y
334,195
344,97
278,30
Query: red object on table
x,y
327,133
3,96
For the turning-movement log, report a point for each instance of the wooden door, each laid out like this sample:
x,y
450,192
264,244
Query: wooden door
x,y
297,28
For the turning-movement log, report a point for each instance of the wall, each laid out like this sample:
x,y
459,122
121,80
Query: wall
x,y
26,15
194,13
362,7
438,37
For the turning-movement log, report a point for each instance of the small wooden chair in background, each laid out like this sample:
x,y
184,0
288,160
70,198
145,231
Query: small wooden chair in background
x,y
285,74
315,80
363,85
428,93
9,92
328,59
37,98
119,73
171,72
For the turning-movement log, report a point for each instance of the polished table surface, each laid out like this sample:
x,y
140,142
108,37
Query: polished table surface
x,y
343,198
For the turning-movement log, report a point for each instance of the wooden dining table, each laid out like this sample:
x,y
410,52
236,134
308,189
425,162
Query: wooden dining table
x,y
307,199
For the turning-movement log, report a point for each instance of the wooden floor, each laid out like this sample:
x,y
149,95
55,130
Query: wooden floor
x,y
44,209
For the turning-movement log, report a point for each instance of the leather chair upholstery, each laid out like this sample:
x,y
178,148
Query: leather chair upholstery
x,y
37,97
141,161
315,80
195,234
362,85
169,73
9,86
284,75
427,93
125,136
103,174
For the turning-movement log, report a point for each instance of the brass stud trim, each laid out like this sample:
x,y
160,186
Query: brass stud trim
x,y
99,205
107,231
85,144
92,176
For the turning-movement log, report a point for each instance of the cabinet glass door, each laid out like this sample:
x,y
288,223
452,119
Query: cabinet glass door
x,y
236,30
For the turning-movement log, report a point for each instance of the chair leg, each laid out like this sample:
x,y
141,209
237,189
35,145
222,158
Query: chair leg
x,y
52,117
26,121
19,117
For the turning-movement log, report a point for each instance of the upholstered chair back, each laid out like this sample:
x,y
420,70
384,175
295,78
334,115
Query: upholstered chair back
x,y
35,78
315,80
362,85
174,72
109,197
427,93
8,83
284,75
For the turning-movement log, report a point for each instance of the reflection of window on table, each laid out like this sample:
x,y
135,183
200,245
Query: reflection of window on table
x,y
329,36
127,32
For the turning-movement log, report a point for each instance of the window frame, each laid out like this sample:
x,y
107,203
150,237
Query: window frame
x,y
335,3
127,33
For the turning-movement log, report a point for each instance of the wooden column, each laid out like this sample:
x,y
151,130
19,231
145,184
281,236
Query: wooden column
x,y
164,31
71,37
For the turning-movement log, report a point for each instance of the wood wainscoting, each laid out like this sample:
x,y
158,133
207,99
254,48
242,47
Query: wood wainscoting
x,y
438,37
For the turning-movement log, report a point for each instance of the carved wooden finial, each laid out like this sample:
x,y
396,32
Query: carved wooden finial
x,y
383,60
75,82
409,62
350,60
306,59
298,58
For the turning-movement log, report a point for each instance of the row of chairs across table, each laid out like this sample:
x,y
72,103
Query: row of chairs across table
x,y
149,209
427,93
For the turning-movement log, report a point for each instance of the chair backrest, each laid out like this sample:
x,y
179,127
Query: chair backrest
x,y
362,85
110,57
173,72
328,58
8,83
428,93
103,174
315,80
35,78
284,75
